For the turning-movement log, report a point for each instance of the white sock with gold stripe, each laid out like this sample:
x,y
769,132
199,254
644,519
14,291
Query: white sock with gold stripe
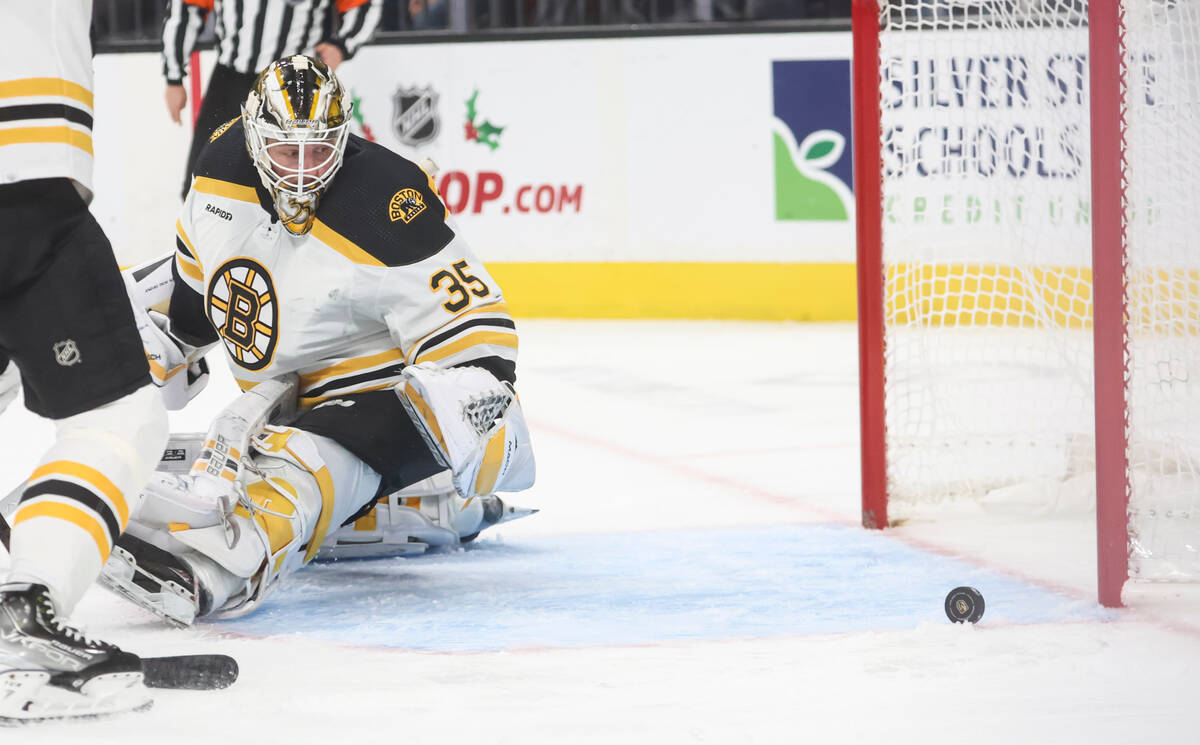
x,y
80,496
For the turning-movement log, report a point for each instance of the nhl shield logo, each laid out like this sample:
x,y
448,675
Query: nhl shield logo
x,y
66,353
415,117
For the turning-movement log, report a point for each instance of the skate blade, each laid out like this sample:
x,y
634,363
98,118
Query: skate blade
x,y
513,512
171,603
26,697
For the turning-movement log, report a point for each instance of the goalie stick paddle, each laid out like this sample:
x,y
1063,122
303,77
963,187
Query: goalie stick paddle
x,y
191,672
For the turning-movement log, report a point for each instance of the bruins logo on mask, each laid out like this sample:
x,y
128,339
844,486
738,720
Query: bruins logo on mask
x,y
406,204
243,309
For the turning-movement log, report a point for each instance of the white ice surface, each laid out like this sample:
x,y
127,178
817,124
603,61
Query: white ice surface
x,y
695,575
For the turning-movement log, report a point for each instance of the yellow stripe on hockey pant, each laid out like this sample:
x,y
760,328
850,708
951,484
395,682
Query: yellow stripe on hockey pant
x,y
414,397
98,481
47,87
47,136
218,188
497,338
67,513
493,457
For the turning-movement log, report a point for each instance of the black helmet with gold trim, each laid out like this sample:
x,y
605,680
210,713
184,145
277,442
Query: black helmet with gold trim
x,y
297,122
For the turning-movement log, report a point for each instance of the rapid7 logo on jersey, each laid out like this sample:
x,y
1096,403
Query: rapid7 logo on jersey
x,y
459,284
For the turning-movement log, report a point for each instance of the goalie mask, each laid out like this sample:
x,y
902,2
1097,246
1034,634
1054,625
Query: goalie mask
x,y
297,122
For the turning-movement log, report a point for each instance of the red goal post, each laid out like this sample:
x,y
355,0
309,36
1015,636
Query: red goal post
x,y
1028,217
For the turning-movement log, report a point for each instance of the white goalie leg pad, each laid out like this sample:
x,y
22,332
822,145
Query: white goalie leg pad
x,y
473,424
429,513
304,484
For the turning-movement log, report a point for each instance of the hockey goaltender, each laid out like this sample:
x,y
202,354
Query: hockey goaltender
x,y
376,355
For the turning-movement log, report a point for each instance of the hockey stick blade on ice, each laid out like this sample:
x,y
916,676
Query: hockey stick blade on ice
x,y
192,672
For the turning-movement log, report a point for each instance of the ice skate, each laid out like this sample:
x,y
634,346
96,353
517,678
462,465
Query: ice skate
x,y
51,671
161,582
495,511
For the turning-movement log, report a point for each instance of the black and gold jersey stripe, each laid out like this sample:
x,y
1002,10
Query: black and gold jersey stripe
x,y
46,111
484,337
352,375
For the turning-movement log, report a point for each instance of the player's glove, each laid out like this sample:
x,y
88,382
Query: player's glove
x,y
10,383
176,367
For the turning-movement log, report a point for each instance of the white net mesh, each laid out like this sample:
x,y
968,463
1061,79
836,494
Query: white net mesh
x,y
987,261
1162,158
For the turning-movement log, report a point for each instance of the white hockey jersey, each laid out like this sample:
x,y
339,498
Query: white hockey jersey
x,y
381,281
46,107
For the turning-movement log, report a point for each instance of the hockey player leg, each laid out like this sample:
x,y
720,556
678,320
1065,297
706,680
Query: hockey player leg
x,y
80,496
51,671
68,516
183,562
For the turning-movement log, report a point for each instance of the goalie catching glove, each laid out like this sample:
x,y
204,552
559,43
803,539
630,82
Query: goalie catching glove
x,y
473,424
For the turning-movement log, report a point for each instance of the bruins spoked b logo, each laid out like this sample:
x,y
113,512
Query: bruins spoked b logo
x,y
242,306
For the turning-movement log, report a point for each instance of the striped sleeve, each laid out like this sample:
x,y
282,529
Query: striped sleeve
x,y
181,27
484,336
359,20
189,321
187,260
369,370
46,111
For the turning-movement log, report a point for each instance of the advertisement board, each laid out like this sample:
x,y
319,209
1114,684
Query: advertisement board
x,y
695,176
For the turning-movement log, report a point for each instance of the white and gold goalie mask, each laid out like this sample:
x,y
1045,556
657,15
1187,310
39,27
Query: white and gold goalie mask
x,y
297,121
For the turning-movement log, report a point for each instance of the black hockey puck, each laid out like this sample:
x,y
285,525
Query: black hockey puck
x,y
964,604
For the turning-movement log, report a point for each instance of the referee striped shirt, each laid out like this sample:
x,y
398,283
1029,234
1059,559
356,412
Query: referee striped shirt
x,y
253,33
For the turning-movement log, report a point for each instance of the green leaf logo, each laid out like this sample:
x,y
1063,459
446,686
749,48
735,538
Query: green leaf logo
x,y
804,189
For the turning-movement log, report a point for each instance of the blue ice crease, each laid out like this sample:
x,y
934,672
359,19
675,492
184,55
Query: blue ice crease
x,y
640,588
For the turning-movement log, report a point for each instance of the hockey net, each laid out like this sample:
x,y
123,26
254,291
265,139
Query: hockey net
x,y
983,233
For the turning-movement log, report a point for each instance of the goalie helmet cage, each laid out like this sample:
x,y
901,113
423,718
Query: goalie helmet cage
x,y
1029,280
